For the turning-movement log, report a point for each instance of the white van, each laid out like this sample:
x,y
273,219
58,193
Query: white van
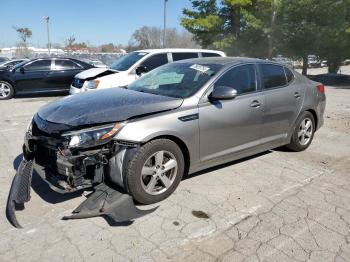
x,y
128,68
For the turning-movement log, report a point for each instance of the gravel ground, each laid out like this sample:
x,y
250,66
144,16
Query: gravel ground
x,y
277,206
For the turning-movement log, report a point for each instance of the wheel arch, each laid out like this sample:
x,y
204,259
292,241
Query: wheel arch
x,y
182,145
314,114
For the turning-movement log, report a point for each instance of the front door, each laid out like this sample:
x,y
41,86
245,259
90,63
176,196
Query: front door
x,y
231,126
33,76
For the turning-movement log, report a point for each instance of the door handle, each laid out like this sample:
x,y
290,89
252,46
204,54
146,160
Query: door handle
x,y
296,95
255,103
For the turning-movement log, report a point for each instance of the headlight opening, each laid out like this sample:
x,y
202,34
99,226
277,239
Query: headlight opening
x,y
92,136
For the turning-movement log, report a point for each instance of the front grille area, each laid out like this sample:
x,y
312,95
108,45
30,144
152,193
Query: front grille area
x,y
78,83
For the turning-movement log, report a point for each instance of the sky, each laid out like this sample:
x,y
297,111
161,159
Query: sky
x,y
95,21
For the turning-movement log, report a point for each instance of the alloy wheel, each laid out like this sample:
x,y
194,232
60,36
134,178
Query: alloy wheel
x,y
159,172
305,131
5,90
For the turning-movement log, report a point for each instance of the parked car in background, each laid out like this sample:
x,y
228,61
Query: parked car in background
x,y
314,61
283,60
42,75
128,68
346,62
193,115
11,63
298,64
3,59
324,63
98,63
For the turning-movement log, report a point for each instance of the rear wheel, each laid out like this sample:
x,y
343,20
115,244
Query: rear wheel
x,y
303,132
6,90
155,171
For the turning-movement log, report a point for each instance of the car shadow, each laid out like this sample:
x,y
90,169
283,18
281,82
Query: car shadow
x,y
215,168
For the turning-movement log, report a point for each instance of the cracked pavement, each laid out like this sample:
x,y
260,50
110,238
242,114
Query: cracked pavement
x,y
276,206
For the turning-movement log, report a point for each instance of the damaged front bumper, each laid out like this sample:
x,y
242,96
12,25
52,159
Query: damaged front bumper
x,y
99,169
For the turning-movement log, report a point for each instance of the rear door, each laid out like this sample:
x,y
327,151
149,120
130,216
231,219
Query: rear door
x,y
62,75
33,76
283,100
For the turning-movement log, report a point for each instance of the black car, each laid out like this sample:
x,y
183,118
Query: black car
x,y
43,75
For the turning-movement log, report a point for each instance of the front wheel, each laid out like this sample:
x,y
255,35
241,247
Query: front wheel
x,y
303,133
6,90
155,171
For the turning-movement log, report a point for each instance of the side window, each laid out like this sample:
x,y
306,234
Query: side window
x,y
182,56
40,65
242,78
155,61
65,65
272,76
210,55
289,74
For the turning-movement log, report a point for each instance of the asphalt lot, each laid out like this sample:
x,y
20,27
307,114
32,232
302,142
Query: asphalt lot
x,y
277,206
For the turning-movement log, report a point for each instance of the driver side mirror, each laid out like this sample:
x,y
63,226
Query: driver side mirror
x,y
21,69
141,70
223,93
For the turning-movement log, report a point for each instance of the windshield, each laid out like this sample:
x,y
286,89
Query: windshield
x,y
125,62
19,64
179,80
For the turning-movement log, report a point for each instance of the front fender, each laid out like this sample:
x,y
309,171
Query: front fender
x,y
166,124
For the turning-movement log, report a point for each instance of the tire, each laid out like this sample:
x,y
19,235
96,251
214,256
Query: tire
x,y
302,134
6,90
145,174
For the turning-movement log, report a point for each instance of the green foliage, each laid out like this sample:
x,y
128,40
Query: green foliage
x,y
233,26
318,27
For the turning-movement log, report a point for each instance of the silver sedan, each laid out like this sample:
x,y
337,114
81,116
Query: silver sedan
x,y
178,119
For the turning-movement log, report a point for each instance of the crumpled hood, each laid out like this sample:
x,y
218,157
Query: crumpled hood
x,y
103,106
92,73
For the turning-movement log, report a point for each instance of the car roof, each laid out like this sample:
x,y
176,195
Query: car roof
x,y
227,61
184,50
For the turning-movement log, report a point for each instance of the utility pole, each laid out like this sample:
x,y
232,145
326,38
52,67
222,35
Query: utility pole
x,y
273,23
164,30
47,18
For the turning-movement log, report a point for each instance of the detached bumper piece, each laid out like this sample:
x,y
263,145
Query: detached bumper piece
x,y
20,191
106,201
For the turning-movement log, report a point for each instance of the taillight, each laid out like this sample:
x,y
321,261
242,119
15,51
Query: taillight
x,y
320,88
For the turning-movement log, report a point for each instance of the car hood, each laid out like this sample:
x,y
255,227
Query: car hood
x,y
104,106
94,72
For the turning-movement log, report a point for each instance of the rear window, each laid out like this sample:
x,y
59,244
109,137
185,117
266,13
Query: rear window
x,y
210,55
65,65
183,56
273,76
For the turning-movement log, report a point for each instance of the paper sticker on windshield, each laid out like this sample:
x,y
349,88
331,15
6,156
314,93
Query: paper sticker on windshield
x,y
142,53
200,68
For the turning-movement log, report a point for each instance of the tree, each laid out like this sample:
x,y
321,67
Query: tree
x,y
240,27
151,37
319,27
109,48
24,33
203,21
70,41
